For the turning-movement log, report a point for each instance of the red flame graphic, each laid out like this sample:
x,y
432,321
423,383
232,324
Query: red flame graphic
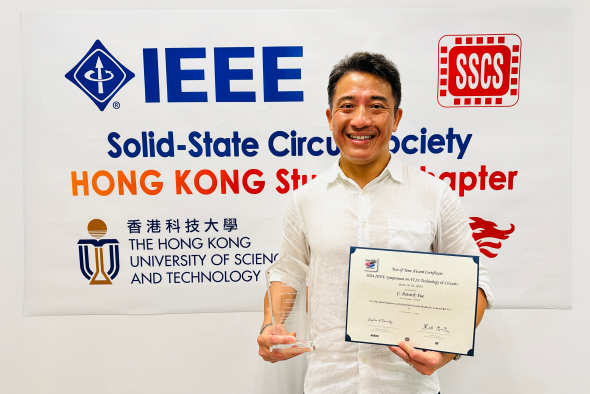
x,y
486,229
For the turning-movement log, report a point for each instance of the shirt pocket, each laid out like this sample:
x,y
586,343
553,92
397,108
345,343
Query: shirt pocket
x,y
413,235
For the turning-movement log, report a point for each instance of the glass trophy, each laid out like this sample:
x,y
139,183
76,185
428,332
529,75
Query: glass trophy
x,y
286,280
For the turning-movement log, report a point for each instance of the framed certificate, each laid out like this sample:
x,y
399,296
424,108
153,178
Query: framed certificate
x,y
426,299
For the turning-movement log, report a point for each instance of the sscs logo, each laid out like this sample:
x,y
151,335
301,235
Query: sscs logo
x,y
88,247
481,70
99,75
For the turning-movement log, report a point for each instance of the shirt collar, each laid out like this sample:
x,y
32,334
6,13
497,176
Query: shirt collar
x,y
393,169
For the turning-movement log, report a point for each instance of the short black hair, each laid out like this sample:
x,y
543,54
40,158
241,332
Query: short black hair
x,y
367,62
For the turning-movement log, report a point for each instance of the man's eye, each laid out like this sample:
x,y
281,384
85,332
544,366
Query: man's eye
x,y
378,106
346,106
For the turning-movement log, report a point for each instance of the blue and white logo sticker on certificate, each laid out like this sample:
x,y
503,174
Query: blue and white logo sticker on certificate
x,y
426,299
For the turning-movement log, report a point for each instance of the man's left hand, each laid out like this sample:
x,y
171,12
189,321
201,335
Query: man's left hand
x,y
425,362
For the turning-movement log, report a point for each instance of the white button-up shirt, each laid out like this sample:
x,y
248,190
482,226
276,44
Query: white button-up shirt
x,y
403,208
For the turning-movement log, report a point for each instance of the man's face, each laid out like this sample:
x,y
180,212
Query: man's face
x,y
362,119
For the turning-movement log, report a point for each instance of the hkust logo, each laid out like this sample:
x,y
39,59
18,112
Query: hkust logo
x,y
99,75
98,250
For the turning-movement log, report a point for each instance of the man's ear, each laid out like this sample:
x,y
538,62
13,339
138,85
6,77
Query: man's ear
x,y
398,117
329,116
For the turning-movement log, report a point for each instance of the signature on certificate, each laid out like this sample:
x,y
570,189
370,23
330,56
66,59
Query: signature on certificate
x,y
372,319
431,327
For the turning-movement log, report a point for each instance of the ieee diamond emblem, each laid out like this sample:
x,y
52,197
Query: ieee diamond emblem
x,y
99,75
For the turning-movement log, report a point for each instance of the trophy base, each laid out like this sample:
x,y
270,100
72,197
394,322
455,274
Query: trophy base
x,y
292,348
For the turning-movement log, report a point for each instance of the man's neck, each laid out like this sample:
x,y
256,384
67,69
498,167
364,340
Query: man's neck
x,y
362,174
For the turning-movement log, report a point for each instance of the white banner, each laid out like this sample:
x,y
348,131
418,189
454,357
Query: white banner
x,y
161,147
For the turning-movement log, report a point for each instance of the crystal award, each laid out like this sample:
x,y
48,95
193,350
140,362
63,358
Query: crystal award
x,y
286,280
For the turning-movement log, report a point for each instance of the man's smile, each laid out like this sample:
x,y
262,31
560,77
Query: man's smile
x,y
360,137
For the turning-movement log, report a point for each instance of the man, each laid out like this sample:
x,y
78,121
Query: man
x,y
368,199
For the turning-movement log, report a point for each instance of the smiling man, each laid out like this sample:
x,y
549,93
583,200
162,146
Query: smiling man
x,y
362,115
368,198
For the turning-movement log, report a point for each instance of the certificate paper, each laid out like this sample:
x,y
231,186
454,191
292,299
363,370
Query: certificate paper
x,y
426,299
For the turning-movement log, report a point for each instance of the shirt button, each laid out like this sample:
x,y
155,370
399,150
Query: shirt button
x,y
364,224
363,192
364,360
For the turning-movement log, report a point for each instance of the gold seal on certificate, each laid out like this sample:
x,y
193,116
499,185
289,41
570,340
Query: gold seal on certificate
x,y
426,299
287,295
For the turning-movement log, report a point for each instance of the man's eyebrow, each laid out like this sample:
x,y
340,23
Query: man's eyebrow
x,y
345,98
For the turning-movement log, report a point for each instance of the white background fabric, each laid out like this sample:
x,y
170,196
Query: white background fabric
x,y
65,132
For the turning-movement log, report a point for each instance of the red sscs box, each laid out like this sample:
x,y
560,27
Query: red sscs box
x,y
479,70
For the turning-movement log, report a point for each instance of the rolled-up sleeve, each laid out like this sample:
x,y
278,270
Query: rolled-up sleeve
x,y
454,235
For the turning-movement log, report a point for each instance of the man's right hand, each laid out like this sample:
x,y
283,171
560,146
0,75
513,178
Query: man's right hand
x,y
267,339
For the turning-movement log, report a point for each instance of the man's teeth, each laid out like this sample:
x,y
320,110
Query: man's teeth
x,y
360,137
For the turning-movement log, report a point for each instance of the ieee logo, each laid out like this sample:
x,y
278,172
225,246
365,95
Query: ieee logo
x,y
372,265
99,75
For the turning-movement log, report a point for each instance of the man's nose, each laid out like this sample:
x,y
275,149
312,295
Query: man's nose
x,y
361,118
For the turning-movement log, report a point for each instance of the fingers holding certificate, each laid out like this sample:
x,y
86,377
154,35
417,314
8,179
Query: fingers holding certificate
x,y
426,299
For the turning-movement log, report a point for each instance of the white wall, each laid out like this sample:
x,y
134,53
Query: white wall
x,y
519,351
